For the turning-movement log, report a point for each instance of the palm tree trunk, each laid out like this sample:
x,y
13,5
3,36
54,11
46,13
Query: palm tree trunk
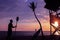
x,y
39,23
50,22
51,37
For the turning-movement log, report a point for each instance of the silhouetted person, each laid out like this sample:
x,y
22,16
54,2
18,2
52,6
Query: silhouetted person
x,y
10,26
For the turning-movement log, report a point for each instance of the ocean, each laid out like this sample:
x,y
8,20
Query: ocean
x,y
27,35
22,33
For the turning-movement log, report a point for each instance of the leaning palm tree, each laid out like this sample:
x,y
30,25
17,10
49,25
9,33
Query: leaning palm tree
x,y
33,7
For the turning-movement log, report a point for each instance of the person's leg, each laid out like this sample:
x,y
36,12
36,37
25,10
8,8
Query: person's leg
x,y
9,35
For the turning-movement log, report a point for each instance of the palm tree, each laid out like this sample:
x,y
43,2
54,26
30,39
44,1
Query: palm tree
x,y
52,5
33,7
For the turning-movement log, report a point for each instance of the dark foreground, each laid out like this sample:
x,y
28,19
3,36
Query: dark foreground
x,y
30,38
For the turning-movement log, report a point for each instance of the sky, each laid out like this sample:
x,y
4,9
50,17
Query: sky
x,y
10,9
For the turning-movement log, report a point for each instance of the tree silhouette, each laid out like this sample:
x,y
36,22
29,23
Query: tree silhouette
x,y
33,7
52,5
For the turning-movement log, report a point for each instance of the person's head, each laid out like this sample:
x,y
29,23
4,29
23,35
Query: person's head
x,y
11,21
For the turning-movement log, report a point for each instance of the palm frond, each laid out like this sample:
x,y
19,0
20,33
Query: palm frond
x,y
32,6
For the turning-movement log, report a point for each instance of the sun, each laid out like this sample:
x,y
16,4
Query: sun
x,y
55,24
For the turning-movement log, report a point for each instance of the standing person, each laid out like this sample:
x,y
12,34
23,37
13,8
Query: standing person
x,y
10,26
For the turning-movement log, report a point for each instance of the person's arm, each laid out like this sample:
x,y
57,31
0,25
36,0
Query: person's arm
x,y
13,26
